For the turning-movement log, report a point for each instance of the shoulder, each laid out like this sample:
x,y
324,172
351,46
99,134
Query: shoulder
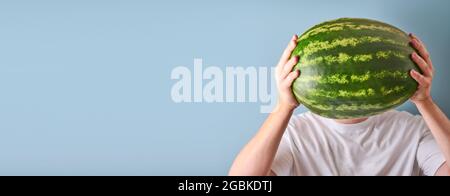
x,y
307,123
302,119
402,119
400,116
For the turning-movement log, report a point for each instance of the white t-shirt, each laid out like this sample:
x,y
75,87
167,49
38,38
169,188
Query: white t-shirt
x,y
392,143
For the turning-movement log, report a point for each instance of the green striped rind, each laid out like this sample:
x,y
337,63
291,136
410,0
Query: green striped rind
x,y
353,68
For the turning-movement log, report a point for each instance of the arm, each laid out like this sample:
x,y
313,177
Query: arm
x,y
256,158
435,119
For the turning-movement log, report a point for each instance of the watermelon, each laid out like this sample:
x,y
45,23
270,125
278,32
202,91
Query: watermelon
x,y
353,68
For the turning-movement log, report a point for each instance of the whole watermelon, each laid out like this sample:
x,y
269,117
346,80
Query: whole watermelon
x,y
352,67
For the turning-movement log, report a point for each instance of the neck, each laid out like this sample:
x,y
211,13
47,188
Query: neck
x,y
350,121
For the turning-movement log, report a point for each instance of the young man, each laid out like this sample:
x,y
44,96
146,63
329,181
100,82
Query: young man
x,y
392,143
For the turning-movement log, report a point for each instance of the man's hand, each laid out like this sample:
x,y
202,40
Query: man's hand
x,y
285,76
423,60
256,158
435,119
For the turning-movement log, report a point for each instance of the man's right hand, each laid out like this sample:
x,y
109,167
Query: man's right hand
x,y
285,76
256,158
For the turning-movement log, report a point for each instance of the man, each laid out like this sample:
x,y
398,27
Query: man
x,y
392,143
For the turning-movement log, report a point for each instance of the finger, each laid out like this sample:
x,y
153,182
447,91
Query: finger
x,y
288,51
426,53
289,66
291,77
421,48
419,78
422,64
416,38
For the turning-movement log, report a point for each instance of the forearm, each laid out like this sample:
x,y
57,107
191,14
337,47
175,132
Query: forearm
x,y
257,156
439,125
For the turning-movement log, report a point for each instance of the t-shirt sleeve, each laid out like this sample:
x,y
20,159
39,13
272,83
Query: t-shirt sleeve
x,y
283,161
429,156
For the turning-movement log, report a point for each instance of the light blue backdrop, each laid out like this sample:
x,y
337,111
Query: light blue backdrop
x,y
85,85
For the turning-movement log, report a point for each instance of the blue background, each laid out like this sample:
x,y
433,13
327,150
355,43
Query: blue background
x,y
85,85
